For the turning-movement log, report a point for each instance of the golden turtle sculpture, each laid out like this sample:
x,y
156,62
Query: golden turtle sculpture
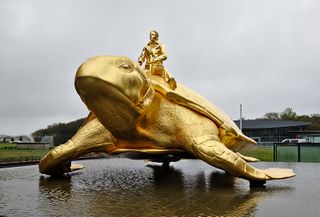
x,y
132,113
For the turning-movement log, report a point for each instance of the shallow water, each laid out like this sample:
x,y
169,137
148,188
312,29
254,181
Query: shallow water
x,y
123,187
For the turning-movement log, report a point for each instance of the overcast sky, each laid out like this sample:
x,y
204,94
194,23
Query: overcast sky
x,y
263,54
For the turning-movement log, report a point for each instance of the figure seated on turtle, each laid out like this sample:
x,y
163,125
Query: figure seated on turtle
x,y
131,113
153,54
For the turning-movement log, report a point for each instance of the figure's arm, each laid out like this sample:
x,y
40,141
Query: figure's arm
x,y
142,56
163,55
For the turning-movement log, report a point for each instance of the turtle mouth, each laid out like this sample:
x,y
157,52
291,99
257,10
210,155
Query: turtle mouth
x,y
111,106
90,88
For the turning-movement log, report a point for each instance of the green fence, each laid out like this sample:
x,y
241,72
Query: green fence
x,y
296,152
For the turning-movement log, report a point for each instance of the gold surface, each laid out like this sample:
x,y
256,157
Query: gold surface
x,y
133,112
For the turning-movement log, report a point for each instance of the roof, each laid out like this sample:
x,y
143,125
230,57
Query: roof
x,y
17,138
267,124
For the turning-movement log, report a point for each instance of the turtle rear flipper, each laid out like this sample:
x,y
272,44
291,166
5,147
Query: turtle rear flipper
x,y
215,153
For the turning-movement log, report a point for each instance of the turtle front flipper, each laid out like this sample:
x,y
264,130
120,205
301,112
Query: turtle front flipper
x,y
247,158
92,137
215,153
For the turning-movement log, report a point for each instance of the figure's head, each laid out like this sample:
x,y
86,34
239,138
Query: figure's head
x,y
115,89
154,36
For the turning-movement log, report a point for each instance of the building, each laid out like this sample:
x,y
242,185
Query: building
x,y
267,132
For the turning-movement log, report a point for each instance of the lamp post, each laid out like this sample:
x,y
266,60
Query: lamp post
x,y
241,117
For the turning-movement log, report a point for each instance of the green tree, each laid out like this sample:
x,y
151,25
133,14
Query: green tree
x,y
288,114
61,132
315,122
271,116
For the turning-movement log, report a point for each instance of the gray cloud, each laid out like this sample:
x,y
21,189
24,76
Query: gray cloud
x,y
263,54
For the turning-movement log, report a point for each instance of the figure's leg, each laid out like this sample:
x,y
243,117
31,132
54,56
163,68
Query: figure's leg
x,y
169,79
215,153
148,72
91,137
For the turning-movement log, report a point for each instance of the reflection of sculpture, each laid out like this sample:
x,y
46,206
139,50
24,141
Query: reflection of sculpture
x,y
161,191
132,113
154,53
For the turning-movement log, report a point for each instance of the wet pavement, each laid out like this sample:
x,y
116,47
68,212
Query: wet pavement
x,y
123,187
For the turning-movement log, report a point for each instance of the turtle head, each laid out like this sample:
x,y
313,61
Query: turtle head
x,y
115,89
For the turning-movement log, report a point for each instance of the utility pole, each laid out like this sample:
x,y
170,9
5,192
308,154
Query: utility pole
x,y
241,117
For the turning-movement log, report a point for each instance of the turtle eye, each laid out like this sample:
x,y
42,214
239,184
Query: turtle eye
x,y
125,65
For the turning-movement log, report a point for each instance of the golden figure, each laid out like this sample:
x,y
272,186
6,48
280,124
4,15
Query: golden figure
x,y
131,113
153,54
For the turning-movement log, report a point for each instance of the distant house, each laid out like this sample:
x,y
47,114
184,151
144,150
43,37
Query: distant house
x,y
5,138
267,132
13,139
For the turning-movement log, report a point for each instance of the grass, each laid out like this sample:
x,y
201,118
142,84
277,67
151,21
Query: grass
x,y
262,153
11,155
8,145
285,154
22,153
16,155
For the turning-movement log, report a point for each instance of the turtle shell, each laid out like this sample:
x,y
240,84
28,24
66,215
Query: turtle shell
x,y
229,133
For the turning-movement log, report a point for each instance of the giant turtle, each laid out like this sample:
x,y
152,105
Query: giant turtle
x,y
132,113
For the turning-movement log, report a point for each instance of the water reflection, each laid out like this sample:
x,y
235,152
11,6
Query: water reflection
x,y
166,176
221,180
120,187
55,188
159,191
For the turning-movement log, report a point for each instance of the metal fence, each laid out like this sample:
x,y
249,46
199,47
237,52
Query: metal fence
x,y
296,152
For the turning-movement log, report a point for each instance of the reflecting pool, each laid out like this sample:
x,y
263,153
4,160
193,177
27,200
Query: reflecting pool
x,y
123,187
